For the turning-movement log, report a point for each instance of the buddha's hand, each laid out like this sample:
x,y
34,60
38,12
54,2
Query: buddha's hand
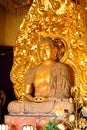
x,y
41,99
35,99
28,97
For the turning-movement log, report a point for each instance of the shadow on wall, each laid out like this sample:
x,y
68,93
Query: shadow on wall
x,y
6,61
2,23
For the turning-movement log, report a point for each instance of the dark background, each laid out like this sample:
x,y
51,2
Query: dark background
x,y
6,61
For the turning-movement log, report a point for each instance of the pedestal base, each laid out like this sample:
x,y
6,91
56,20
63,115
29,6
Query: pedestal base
x,y
17,122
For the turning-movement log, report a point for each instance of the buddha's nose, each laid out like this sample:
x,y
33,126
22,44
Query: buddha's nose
x,y
44,51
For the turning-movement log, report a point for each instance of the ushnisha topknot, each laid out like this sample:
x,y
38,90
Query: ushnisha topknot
x,y
46,39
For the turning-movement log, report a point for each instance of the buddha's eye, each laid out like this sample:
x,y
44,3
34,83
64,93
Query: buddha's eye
x,y
47,48
40,48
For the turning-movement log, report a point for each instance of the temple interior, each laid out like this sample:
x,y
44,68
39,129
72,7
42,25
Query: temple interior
x,y
22,24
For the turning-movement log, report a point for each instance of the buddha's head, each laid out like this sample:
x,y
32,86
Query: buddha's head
x,y
46,48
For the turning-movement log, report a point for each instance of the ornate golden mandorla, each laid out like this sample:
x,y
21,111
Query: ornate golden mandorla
x,y
62,19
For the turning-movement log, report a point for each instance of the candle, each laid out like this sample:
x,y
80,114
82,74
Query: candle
x,y
3,127
0,127
32,128
24,128
6,127
27,127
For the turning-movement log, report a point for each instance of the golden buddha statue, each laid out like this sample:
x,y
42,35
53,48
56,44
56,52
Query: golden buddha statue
x,y
49,78
47,84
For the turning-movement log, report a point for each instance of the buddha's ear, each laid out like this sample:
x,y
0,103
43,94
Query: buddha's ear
x,y
55,52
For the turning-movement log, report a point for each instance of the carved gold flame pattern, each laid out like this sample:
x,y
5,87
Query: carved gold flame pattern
x,y
62,19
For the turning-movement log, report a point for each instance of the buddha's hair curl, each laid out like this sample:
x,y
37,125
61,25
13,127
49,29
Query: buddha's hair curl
x,y
48,40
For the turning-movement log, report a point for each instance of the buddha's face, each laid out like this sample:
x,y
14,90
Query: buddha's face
x,y
45,51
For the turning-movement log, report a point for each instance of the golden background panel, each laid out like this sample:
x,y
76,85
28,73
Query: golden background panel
x,y
45,18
